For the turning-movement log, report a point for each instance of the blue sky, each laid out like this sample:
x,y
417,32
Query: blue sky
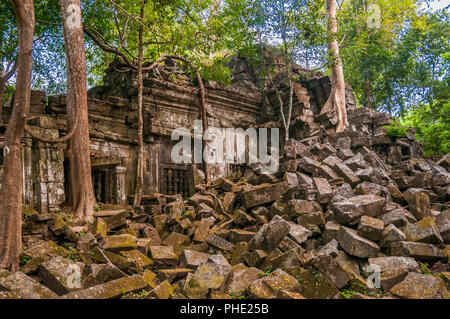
x,y
439,4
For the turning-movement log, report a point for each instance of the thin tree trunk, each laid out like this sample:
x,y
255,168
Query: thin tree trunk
x,y
2,96
337,96
291,96
11,191
368,93
82,199
204,120
140,155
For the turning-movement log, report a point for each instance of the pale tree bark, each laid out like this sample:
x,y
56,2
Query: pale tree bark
x,y
337,96
140,155
82,197
2,96
5,75
11,191
204,121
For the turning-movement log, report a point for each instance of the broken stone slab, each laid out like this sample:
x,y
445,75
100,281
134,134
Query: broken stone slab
x,y
390,235
193,259
356,162
264,194
286,260
139,258
332,269
202,231
117,220
394,262
347,174
390,278
419,286
239,250
332,160
110,289
309,165
443,225
25,287
100,227
330,231
371,228
330,249
162,291
285,294
314,222
327,172
349,211
238,235
151,233
173,273
368,188
116,243
268,286
356,245
419,202
299,233
46,250
324,190
121,262
241,279
62,275
395,217
345,154
242,219
60,227
395,193
177,241
297,207
419,251
255,258
219,243
270,235
369,175
425,231
208,276
96,274
163,254
315,285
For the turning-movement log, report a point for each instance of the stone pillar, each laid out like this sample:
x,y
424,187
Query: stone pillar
x,y
120,175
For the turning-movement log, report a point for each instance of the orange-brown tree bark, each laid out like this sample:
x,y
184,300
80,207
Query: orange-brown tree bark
x,y
82,197
337,96
11,191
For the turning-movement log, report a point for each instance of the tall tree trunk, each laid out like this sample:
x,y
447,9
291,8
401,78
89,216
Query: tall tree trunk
x,y
204,120
82,199
11,191
291,96
337,96
140,153
367,93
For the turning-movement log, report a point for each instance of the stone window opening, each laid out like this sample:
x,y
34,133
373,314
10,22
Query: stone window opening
x,y
1,156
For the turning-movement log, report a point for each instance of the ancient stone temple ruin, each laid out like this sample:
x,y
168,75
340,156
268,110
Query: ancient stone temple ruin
x,y
171,100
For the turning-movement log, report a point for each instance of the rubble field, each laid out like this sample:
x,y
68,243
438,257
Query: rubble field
x,y
344,210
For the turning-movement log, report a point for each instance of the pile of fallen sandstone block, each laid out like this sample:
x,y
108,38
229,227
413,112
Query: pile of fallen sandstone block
x,y
339,220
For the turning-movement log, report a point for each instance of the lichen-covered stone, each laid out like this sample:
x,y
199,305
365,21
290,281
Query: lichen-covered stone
x,y
356,245
425,231
110,289
62,275
116,243
350,210
419,286
418,251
